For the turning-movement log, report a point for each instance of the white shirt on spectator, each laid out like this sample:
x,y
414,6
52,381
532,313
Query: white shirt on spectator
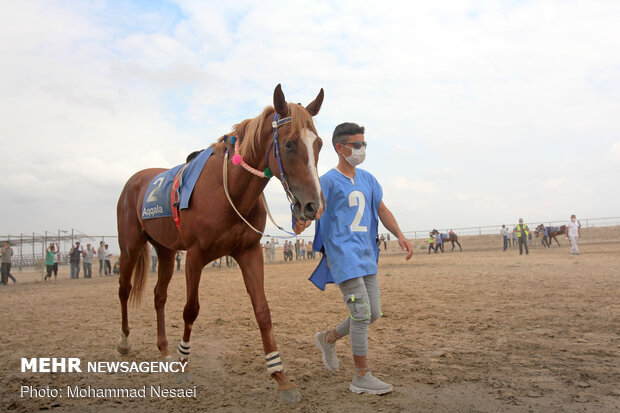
x,y
573,229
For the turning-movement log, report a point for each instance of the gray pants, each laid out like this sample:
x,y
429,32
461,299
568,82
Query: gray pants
x,y
75,270
88,269
363,299
523,243
574,248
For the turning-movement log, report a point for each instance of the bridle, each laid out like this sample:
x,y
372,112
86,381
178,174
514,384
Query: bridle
x,y
267,174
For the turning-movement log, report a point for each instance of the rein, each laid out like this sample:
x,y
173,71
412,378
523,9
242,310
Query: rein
x,y
267,174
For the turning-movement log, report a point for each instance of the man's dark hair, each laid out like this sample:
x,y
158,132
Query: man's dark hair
x,y
344,130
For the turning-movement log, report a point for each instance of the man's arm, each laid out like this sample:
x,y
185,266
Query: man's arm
x,y
389,222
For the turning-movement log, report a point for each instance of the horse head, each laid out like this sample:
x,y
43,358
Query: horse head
x,y
299,146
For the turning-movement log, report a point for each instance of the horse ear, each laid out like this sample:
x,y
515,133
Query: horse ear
x,y
314,106
279,103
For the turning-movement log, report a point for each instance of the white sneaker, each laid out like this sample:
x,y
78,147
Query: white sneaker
x,y
369,384
330,359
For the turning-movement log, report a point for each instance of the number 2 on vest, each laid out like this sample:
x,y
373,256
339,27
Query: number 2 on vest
x,y
356,198
151,197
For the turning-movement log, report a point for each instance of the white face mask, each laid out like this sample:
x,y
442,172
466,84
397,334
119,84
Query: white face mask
x,y
357,156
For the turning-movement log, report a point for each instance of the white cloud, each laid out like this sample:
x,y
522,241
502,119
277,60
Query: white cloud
x,y
614,152
403,184
468,102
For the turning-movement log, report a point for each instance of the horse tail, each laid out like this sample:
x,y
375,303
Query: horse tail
x,y
139,276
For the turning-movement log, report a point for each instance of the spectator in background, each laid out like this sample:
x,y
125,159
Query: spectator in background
x,y
438,242
117,267
268,251
153,259
514,237
50,255
505,236
88,261
297,250
274,242
302,250
179,257
522,232
5,263
56,260
108,260
573,232
382,240
431,243
74,259
101,257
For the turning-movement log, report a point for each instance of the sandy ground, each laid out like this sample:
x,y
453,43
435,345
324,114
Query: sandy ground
x,y
478,331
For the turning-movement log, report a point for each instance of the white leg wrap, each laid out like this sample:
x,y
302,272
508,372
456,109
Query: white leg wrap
x,y
274,362
183,350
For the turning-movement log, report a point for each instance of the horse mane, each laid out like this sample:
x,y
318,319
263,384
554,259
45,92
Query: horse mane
x,y
249,131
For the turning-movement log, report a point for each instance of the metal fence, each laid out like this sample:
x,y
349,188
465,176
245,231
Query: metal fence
x,y
29,249
495,229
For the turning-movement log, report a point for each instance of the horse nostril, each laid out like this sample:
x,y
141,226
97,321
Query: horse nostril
x,y
310,210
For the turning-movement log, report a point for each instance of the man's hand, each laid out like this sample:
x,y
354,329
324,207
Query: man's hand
x,y
300,226
405,245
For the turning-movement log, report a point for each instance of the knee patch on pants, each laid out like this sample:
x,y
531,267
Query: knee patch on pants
x,y
359,307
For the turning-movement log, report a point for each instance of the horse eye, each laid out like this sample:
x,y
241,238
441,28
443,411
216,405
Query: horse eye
x,y
289,146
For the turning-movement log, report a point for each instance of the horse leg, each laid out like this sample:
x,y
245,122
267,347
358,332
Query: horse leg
x,y
556,240
452,245
193,270
130,253
251,264
165,270
459,244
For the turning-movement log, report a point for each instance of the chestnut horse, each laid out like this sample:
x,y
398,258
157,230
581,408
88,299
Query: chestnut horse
x,y
211,227
450,236
553,232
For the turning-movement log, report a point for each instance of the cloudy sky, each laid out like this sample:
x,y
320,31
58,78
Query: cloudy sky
x,y
476,112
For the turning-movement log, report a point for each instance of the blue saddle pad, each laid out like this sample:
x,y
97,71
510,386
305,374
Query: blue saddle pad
x,y
156,203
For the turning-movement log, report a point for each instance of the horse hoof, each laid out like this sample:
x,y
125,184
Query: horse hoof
x,y
183,377
123,346
291,396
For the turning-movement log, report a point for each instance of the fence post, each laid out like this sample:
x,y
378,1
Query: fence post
x,y
21,258
43,256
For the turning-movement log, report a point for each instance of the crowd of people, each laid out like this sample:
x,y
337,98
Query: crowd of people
x,y
104,256
86,256
522,236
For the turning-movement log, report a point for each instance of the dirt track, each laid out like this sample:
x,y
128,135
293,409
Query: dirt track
x,y
472,331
